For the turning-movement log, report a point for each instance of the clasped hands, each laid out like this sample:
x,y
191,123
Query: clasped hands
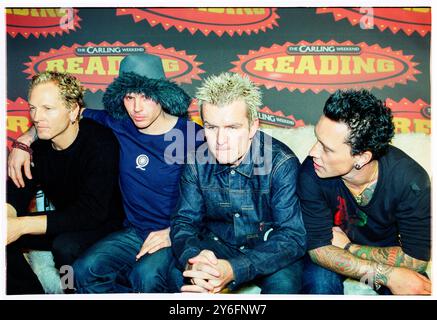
x,y
207,273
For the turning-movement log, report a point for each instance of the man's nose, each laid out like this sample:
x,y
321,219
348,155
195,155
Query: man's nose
x,y
138,104
221,136
36,115
315,150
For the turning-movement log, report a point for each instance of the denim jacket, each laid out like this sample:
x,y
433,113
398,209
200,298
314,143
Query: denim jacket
x,y
252,208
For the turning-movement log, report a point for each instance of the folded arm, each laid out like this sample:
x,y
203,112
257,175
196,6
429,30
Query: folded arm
x,y
19,160
392,256
399,280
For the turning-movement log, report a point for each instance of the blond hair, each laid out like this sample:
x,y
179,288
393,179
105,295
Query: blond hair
x,y
70,88
228,87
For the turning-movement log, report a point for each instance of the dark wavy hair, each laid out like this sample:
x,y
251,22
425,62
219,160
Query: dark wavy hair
x,y
370,121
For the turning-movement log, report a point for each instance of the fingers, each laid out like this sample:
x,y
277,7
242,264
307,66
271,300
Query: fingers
x,y
193,288
19,177
427,285
145,247
159,246
203,284
27,171
216,289
200,285
154,242
205,256
18,158
13,176
203,271
210,256
141,253
205,276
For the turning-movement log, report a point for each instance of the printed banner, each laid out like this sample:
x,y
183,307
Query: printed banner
x,y
326,66
207,20
17,119
411,116
278,119
408,20
41,21
96,65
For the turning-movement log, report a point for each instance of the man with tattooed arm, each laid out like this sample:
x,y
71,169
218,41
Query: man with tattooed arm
x,y
365,203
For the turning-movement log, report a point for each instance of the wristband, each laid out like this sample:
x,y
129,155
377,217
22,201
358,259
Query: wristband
x,y
347,246
19,145
377,281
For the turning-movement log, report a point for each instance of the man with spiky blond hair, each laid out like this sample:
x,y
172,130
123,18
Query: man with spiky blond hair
x,y
238,219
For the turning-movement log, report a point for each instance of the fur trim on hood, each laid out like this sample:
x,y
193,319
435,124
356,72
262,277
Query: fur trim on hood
x,y
172,98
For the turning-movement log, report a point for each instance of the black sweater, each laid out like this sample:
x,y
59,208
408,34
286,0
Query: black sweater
x,y
80,181
398,214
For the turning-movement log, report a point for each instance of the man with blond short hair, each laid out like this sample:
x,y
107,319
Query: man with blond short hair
x,y
238,219
76,166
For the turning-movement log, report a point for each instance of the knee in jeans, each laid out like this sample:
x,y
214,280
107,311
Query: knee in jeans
x,y
282,285
148,277
327,285
143,279
86,268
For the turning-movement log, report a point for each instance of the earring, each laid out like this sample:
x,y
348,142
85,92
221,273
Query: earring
x,y
357,166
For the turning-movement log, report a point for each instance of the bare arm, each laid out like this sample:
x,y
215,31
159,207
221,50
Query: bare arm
x,y
341,261
19,226
29,136
398,280
391,256
19,159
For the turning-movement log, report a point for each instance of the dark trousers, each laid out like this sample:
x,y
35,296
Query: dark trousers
x,y
66,248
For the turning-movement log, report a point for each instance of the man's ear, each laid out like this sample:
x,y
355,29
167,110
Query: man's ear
x,y
363,158
74,113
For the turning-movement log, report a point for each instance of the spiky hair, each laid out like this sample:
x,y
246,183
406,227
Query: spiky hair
x,y
226,88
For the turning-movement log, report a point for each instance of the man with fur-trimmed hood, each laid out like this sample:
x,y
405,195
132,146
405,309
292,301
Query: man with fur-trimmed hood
x,y
147,113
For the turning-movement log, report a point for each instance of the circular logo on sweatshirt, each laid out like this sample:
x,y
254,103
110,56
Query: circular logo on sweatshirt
x,y
142,161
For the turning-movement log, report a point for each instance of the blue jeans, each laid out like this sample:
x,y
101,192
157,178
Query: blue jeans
x,y
319,280
110,266
284,281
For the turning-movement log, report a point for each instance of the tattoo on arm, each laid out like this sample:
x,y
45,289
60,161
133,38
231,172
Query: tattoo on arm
x,y
343,262
392,256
